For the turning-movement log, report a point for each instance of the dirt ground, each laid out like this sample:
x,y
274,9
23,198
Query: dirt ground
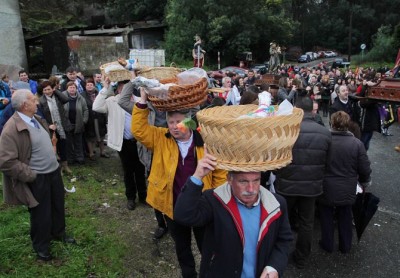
x,y
146,257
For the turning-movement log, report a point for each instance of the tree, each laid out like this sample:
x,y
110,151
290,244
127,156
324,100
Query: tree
x,y
128,11
44,16
228,26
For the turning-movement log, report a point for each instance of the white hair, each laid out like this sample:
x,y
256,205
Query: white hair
x,y
226,78
19,97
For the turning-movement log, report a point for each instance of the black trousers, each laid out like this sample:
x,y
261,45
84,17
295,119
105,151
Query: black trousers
x,y
47,218
344,217
160,219
62,148
301,209
134,171
75,147
182,236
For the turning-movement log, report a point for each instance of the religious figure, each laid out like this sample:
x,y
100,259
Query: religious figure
x,y
274,62
198,52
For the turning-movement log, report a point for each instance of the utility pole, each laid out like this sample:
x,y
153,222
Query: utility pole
x,y
350,30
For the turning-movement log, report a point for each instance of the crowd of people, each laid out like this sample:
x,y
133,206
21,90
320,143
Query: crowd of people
x,y
322,84
187,192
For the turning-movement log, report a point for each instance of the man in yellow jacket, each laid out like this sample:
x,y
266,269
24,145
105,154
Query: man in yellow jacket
x,y
175,155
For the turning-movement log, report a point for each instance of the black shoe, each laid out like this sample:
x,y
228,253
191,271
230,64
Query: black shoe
x,y
143,202
160,232
65,239
300,264
323,248
44,256
131,205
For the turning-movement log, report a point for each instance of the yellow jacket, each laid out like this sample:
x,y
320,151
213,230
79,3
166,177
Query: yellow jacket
x,y
165,160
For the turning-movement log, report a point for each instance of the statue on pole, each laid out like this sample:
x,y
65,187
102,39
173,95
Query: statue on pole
x,y
198,52
274,62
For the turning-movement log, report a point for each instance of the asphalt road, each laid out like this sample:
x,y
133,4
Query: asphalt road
x,y
378,252
315,62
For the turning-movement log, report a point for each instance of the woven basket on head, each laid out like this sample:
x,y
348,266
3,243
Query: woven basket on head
x,y
159,73
116,75
181,96
256,144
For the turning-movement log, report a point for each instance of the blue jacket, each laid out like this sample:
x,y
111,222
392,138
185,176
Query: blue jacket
x,y
4,93
33,84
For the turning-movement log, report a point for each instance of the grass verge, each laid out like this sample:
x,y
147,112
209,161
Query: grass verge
x,y
101,249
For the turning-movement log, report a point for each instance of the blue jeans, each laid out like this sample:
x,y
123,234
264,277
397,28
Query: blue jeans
x,y
366,136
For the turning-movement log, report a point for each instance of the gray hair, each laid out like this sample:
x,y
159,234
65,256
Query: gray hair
x,y
344,86
226,78
186,112
19,97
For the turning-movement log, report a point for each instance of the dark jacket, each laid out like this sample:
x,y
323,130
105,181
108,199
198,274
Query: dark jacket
x,y
61,99
305,175
370,118
283,94
351,108
348,163
82,113
222,251
90,128
63,85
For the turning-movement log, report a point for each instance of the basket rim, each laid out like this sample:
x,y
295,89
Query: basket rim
x,y
251,153
253,167
204,115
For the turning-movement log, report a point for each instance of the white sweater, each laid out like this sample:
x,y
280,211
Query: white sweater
x,y
106,102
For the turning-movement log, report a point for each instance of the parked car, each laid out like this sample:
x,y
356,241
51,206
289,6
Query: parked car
x,y
304,59
340,63
313,55
330,54
260,68
218,74
321,54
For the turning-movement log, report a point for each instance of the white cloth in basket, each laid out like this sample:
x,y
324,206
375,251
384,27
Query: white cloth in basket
x,y
113,67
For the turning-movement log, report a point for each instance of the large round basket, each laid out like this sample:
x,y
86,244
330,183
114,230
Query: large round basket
x,y
181,96
252,144
115,75
159,73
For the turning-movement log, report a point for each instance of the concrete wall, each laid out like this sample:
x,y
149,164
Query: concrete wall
x,y
12,43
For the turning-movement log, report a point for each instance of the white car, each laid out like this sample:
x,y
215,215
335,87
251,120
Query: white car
x,y
313,55
330,54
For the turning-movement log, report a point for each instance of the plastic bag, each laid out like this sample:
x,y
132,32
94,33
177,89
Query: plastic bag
x,y
141,81
160,92
285,108
191,76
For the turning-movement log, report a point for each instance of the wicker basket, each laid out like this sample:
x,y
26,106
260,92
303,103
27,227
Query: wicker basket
x,y
159,73
116,75
257,144
181,96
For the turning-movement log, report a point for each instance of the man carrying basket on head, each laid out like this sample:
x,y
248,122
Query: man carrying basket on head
x,y
176,152
247,231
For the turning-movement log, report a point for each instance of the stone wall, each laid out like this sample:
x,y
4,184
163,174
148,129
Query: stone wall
x,y
12,43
